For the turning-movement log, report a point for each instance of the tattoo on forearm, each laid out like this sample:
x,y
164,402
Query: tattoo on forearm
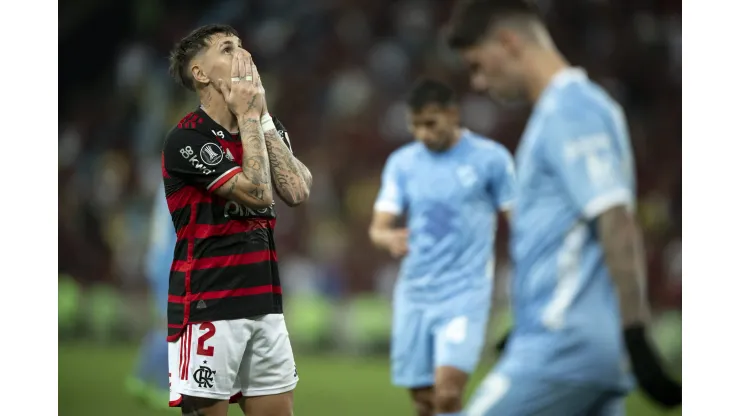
x,y
255,164
287,172
233,185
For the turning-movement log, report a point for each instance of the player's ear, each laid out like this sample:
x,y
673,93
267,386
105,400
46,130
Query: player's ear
x,y
196,71
453,112
510,40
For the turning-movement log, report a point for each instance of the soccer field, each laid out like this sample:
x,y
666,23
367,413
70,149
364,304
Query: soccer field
x,y
91,384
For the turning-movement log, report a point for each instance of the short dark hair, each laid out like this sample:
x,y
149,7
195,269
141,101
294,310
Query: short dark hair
x,y
188,47
471,19
429,91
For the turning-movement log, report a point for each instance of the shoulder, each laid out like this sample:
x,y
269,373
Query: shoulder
x,y
489,148
582,103
404,154
188,130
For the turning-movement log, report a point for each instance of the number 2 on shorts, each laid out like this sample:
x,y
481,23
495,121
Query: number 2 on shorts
x,y
210,331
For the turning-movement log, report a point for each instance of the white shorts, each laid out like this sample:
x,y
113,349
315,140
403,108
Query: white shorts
x,y
226,360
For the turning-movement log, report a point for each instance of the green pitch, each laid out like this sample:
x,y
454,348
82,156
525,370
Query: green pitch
x,y
91,383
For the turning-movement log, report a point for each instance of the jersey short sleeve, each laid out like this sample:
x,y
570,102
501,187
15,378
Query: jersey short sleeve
x,y
586,160
391,197
503,179
197,159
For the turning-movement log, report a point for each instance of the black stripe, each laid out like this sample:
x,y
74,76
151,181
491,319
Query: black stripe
x,y
181,217
175,313
234,277
177,283
247,242
236,307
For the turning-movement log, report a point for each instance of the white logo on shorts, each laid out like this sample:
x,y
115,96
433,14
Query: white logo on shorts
x,y
211,154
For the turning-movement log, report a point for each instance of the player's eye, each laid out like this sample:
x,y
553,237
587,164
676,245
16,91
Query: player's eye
x,y
228,49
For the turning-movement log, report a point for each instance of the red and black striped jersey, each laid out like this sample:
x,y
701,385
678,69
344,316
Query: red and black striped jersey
x,y
225,264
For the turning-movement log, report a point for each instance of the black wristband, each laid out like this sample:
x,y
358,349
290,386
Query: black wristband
x,y
647,368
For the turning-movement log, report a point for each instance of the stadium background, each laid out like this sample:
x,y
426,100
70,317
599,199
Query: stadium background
x,y
335,72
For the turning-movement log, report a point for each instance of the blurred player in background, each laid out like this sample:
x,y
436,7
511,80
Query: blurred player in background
x,y
150,382
578,292
451,184
221,166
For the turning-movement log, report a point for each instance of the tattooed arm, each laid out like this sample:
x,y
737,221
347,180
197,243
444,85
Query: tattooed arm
x,y
292,178
622,243
252,186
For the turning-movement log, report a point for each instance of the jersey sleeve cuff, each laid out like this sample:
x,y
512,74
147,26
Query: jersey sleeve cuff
x,y
603,203
506,205
223,178
387,206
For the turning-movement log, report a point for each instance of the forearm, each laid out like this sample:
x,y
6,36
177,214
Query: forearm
x,y
292,179
623,252
256,189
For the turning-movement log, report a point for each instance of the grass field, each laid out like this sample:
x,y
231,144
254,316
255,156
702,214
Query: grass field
x,y
91,384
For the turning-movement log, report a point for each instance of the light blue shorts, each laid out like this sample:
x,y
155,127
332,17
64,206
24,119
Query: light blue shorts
x,y
502,394
424,339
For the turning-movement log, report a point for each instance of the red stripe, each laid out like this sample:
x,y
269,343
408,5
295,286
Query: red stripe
x,y
229,228
223,180
174,326
187,354
220,262
187,195
220,294
182,354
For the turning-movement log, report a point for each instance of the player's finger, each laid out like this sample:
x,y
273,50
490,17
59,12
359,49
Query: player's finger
x,y
221,85
235,65
250,69
243,65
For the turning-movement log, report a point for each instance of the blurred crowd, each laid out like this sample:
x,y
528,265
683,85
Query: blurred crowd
x,y
335,73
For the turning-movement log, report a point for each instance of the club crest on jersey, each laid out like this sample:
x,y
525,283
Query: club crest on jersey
x,y
211,154
466,175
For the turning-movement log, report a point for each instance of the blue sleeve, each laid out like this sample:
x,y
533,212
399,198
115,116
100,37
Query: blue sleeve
x,y
162,240
503,179
586,159
391,197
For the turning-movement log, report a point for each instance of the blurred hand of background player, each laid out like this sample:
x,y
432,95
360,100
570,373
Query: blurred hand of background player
x,y
648,370
397,242
245,94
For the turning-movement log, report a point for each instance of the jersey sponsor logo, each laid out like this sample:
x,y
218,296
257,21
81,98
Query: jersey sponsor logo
x,y
236,210
188,153
211,154
229,155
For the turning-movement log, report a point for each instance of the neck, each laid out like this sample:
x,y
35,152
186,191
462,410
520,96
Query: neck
x,y
214,104
544,64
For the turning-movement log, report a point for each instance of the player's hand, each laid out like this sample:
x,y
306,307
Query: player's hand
x,y
648,371
244,94
397,242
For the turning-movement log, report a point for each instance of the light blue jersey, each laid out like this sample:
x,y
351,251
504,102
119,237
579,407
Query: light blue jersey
x,y
574,162
443,294
151,370
161,249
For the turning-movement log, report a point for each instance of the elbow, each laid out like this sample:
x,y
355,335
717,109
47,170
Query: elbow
x,y
297,198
